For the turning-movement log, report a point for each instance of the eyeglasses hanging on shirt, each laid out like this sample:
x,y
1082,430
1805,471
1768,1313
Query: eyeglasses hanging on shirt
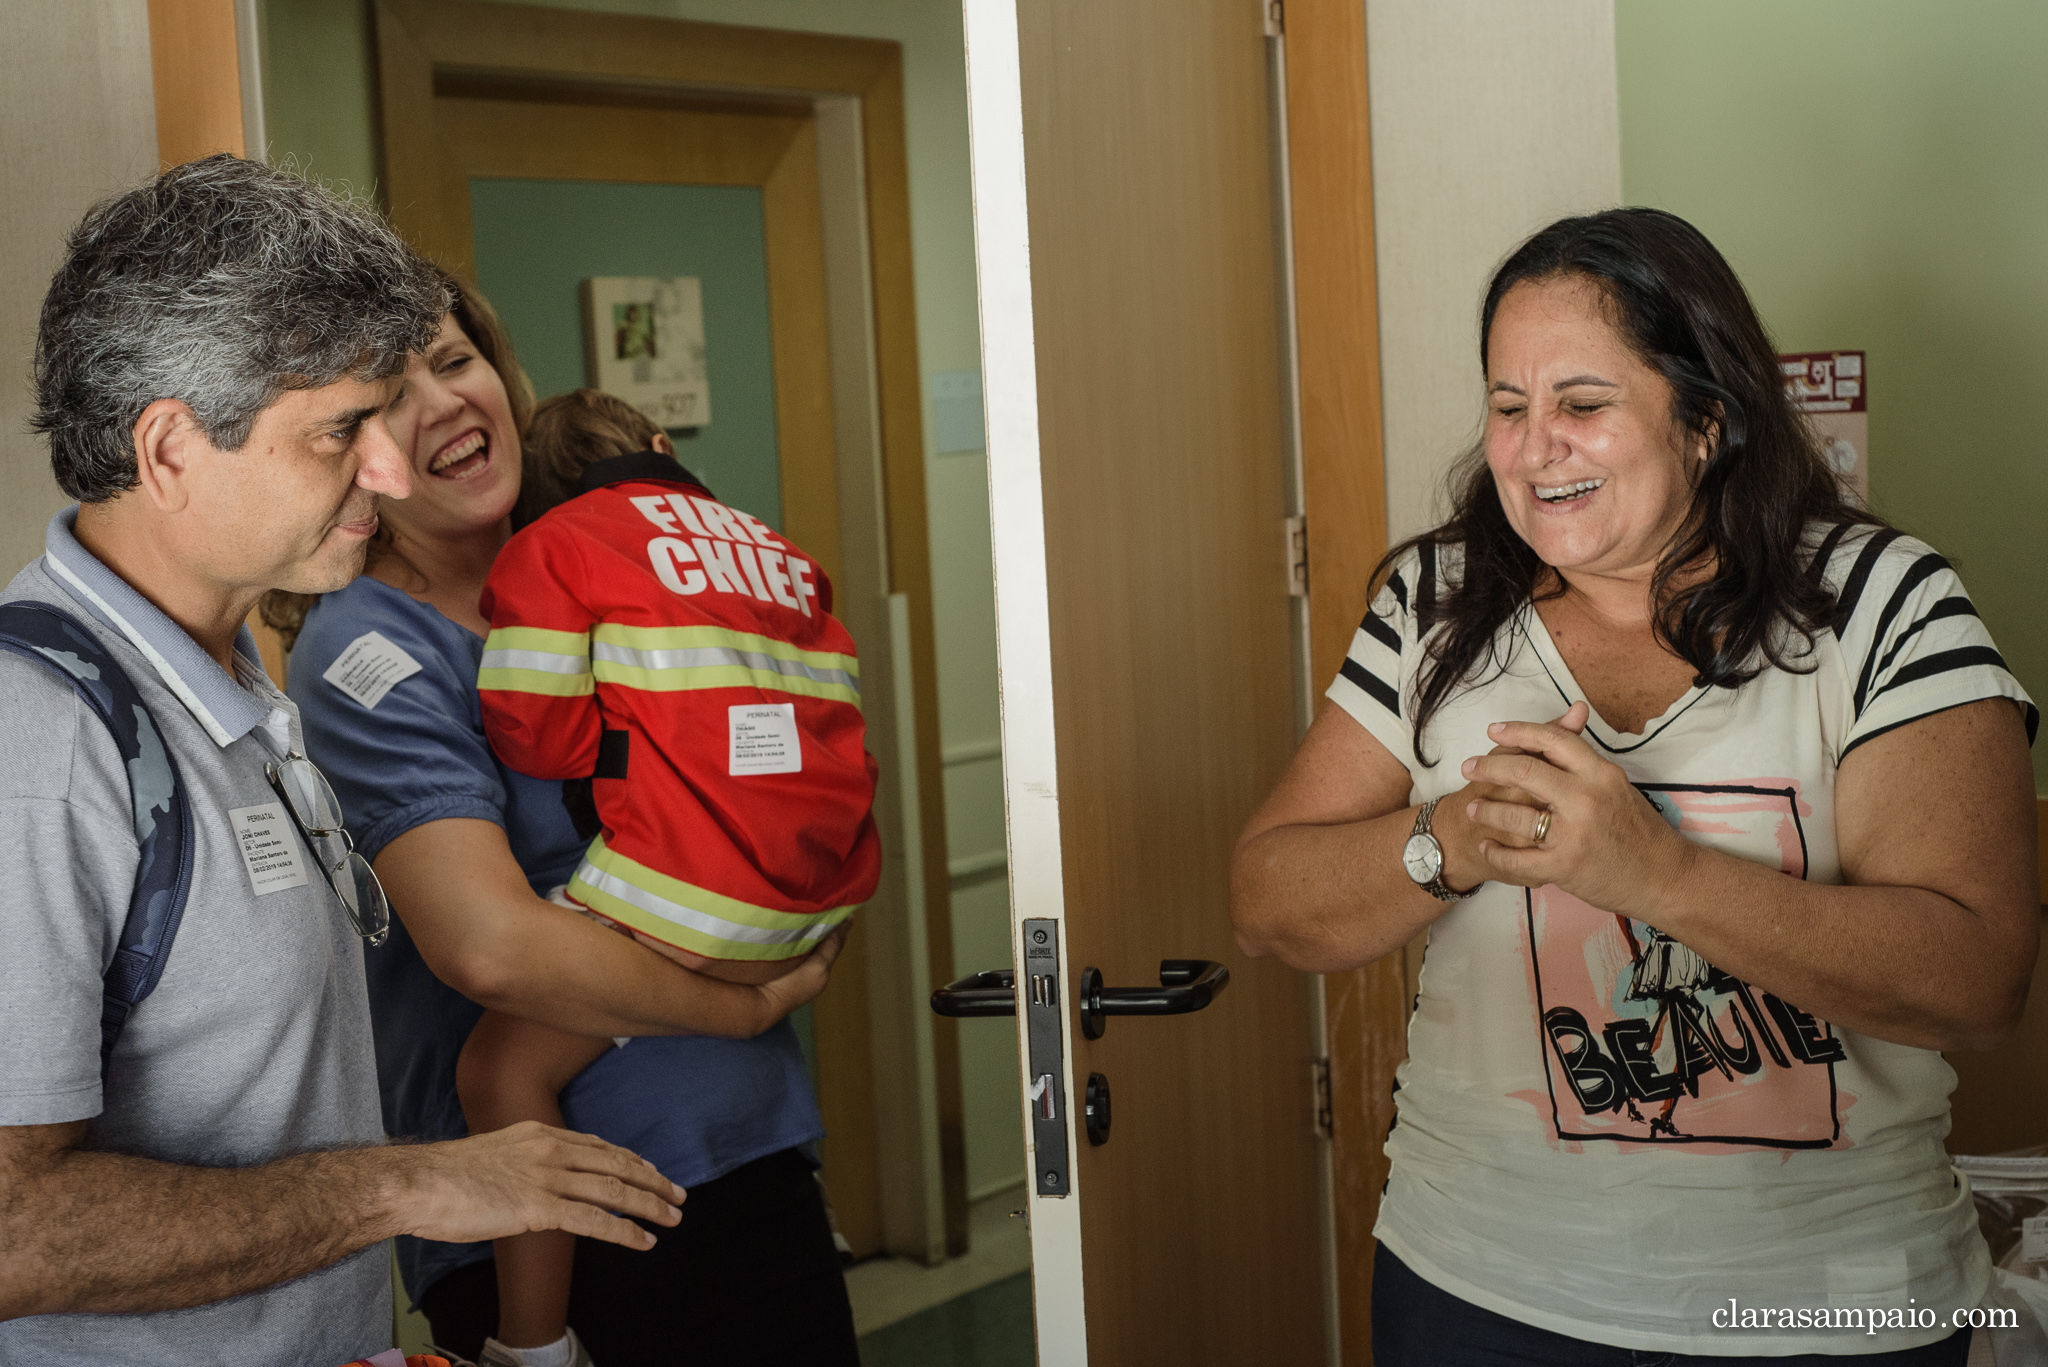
x,y
316,811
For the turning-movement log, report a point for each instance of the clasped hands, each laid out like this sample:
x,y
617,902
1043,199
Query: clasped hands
x,y
1605,843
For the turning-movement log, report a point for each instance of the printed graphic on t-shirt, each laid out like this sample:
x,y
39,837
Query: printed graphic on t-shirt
x,y
1646,1042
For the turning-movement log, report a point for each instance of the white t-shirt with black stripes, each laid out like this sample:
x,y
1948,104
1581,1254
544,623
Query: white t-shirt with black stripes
x,y
1599,1133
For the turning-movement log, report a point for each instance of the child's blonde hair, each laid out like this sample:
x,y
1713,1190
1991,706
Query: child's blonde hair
x,y
569,432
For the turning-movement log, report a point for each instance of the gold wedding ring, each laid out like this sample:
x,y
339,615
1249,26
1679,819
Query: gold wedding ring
x,y
1542,825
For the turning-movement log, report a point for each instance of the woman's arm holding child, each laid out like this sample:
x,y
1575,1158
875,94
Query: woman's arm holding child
x,y
483,931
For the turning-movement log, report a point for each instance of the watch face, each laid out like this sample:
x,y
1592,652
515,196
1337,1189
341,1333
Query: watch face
x,y
1422,857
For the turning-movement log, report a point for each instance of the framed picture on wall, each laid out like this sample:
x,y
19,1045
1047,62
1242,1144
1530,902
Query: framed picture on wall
x,y
643,341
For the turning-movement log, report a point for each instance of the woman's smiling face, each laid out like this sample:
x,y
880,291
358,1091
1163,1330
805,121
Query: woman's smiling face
x,y
1590,467
455,424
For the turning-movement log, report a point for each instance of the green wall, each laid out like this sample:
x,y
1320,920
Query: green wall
x,y
1877,171
320,91
536,240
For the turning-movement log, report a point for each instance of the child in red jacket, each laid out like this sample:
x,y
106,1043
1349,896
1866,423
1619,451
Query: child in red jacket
x,y
683,659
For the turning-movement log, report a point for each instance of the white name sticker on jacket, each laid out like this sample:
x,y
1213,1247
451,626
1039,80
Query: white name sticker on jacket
x,y
764,739
270,847
368,669
2034,1239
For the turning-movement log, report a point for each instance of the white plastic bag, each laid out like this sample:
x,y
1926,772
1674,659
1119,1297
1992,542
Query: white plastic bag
x,y
2011,1192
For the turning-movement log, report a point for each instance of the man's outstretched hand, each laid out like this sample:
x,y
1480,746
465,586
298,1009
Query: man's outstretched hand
x,y
529,1177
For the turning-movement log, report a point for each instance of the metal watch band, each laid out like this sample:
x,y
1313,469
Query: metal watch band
x,y
1422,816
1436,887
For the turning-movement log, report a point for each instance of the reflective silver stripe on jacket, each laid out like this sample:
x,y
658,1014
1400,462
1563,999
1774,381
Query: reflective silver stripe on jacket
x,y
541,661
715,657
701,921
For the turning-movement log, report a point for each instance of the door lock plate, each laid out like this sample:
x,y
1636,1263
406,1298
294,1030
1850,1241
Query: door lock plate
x,y
1038,991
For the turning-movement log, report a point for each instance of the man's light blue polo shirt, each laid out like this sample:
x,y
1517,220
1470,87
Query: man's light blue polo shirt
x,y
256,1043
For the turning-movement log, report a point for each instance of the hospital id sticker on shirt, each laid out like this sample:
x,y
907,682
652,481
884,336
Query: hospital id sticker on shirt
x,y
764,740
269,846
369,668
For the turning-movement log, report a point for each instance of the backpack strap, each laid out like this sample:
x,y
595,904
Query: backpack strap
x,y
163,817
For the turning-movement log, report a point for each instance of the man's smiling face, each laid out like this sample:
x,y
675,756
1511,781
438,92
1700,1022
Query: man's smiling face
x,y
296,506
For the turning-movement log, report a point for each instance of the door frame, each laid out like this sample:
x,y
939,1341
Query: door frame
x,y
206,68
1009,368
898,1129
1344,499
492,132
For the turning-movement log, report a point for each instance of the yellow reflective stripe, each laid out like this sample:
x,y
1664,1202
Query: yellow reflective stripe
x,y
671,659
539,681
694,638
555,664
694,918
719,676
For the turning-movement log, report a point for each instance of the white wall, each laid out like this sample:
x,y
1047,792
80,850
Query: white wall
x,y
1489,120
77,122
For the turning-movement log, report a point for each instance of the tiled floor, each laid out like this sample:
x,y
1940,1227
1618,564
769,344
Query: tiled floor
x,y
972,1311
885,1290
986,1328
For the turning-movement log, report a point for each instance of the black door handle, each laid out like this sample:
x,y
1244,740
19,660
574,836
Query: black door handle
x,y
993,993
1184,985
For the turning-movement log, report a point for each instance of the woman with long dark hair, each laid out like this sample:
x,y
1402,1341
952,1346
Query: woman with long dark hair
x,y
1712,794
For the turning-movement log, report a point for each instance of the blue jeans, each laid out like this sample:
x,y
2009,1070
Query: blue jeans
x,y
1417,1324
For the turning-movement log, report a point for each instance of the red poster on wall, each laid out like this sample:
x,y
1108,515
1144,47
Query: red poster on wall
x,y
1832,388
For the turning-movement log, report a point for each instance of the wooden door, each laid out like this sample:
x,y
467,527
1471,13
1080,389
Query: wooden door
x,y
1131,268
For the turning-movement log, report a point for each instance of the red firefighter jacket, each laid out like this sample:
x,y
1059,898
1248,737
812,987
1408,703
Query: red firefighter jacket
x,y
686,656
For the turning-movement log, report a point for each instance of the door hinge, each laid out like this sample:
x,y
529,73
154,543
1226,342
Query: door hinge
x,y
1297,556
1276,18
1319,1074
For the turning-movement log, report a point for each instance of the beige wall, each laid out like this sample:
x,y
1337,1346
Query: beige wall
x,y
1488,121
77,121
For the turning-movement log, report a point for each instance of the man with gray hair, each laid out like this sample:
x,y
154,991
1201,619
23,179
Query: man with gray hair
x,y
215,359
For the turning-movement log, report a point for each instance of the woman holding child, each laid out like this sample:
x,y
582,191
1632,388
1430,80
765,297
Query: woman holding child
x,y
711,1088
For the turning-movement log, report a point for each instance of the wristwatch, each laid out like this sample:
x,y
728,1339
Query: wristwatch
x,y
1424,858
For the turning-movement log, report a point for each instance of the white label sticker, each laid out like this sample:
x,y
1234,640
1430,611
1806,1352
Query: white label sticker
x,y
270,847
369,668
2034,1239
764,739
